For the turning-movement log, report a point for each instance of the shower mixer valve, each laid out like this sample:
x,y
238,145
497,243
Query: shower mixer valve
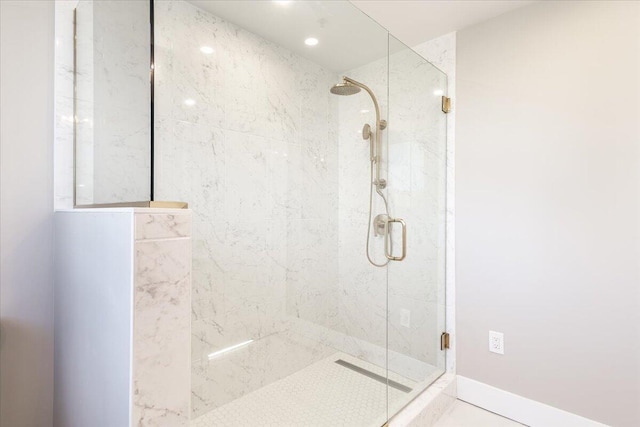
x,y
380,225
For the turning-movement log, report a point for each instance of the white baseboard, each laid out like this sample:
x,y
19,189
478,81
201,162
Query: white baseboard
x,y
518,408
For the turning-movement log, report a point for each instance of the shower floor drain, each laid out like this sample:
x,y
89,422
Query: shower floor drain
x,y
373,376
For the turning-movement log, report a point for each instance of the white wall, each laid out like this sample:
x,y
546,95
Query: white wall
x,y
94,276
548,197
26,205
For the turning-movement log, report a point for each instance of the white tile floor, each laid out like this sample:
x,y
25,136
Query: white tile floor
x,y
326,393
322,394
462,414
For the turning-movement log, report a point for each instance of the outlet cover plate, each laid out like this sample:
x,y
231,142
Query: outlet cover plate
x,y
496,342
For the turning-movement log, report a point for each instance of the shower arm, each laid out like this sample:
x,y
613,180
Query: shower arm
x,y
380,125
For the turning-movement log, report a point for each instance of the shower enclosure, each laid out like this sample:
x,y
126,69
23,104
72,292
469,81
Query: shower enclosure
x,y
310,145
291,322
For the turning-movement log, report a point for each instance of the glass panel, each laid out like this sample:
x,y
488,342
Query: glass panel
x,y
289,317
112,102
417,189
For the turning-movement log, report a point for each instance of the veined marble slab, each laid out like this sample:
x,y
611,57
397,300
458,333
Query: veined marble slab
x,y
161,369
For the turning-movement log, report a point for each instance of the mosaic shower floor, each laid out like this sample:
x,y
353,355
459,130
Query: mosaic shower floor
x,y
348,393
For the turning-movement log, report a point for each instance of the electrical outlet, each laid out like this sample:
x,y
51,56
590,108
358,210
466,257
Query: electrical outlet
x,y
496,342
405,318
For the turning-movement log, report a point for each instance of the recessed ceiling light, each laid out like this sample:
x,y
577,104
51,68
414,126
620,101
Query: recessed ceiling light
x,y
207,50
438,92
364,111
189,102
311,41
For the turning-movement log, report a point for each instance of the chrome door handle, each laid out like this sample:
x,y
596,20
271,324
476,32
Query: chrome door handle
x,y
387,238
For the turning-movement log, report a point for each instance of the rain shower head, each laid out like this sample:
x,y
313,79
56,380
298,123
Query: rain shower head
x,y
344,89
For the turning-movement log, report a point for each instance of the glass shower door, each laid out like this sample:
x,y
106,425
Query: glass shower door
x,y
417,194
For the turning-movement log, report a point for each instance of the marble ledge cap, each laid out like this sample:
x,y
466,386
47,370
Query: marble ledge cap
x,y
147,206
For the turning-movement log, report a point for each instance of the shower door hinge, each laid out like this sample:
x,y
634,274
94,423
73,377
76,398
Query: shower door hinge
x,y
444,341
446,104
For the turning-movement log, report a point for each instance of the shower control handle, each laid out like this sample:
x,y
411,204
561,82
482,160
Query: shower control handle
x,y
387,251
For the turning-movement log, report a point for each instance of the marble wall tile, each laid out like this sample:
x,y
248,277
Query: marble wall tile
x,y
246,174
161,386
183,146
162,225
121,56
155,263
208,334
121,97
121,160
161,362
311,270
319,181
84,70
284,166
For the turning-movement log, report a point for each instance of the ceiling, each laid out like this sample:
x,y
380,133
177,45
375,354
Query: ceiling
x,y
347,37
416,21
